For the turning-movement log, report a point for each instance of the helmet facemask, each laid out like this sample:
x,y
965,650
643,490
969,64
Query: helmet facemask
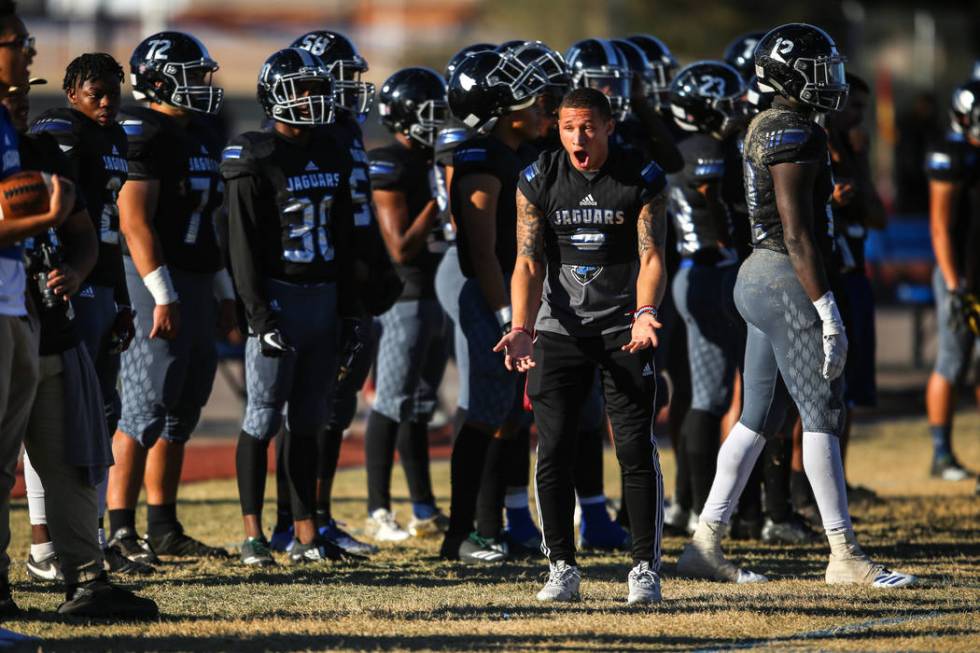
x,y
525,81
825,85
290,106
613,81
430,116
350,93
966,113
193,85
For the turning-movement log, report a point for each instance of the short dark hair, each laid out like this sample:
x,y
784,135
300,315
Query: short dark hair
x,y
91,66
856,83
8,10
587,98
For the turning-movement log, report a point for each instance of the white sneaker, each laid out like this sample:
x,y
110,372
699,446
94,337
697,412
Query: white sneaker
x,y
384,527
702,558
563,583
644,584
849,565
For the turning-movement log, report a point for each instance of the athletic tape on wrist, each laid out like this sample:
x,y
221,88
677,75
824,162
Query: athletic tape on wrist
x,y
161,286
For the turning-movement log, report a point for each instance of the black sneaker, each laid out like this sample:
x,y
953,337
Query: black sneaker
x,y
745,529
7,606
47,570
948,468
255,553
319,550
476,550
100,598
794,530
117,563
177,544
131,546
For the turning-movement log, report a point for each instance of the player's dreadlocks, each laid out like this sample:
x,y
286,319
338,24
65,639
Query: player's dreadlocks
x,y
91,66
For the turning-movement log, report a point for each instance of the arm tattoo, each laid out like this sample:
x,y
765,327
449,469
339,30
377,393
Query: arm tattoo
x,y
530,229
652,224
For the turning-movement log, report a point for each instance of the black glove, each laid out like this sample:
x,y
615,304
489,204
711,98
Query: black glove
x,y
123,330
352,344
274,344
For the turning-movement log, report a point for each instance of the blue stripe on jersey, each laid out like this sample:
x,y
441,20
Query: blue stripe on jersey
x,y
231,152
471,154
51,125
531,172
709,168
382,167
939,161
956,137
786,137
132,127
448,136
652,172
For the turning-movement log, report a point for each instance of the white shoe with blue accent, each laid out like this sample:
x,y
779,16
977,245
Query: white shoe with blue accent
x,y
849,565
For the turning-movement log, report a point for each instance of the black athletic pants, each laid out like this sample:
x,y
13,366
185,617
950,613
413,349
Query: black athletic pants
x,y
559,386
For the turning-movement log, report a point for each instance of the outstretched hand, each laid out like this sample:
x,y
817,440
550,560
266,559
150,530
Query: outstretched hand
x,y
644,334
517,347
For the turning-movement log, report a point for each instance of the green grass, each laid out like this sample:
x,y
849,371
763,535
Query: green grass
x,y
406,599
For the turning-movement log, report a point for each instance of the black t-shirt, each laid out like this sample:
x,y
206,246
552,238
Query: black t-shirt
x,y
410,172
955,160
694,225
781,135
488,155
97,160
58,329
590,238
185,160
290,215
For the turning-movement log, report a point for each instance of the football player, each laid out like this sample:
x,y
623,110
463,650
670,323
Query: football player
x,y
796,346
289,226
703,103
412,349
953,167
591,230
738,54
95,147
496,95
57,263
174,273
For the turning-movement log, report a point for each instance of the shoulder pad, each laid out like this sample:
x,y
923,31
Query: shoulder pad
x,y
530,172
244,153
385,167
784,136
450,137
471,154
62,124
653,174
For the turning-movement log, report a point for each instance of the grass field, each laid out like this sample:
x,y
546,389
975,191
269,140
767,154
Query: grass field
x,y
407,599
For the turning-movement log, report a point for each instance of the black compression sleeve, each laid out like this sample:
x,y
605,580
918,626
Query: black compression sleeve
x,y
244,242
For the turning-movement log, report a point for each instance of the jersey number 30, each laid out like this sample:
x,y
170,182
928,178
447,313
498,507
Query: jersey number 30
x,y
306,230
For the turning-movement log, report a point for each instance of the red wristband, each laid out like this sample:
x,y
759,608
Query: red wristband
x,y
521,329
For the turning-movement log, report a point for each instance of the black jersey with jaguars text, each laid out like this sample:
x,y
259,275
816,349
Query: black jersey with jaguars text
x,y
590,238
695,226
410,172
488,155
96,157
781,135
955,160
185,160
289,215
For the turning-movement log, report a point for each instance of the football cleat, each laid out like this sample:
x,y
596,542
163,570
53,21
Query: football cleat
x,y
482,550
794,530
47,569
644,585
562,584
100,598
384,527
282,539
437,524
743,528
332,532
115,562
132,546
849,565
702,558
255,553
948,468
176,543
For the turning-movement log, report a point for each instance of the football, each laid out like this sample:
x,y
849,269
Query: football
x,y
24,194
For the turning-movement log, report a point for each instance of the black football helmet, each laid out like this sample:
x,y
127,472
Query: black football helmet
x,y
756,100
596,63
704,97
346,65
509,45
965,110
285,76
551,63
636,61
413,102
175,68
459,56
801,62
487,85
663,67
739,54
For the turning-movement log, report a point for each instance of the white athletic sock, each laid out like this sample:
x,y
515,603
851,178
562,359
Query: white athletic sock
x,y
824,470
736,458
516,497
43,551
35,494
588,501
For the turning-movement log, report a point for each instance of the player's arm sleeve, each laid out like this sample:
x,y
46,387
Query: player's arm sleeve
x,y
243,195
530,183
141,139
653,180
63,133
943,163
446,141
799,143
386,171
342,232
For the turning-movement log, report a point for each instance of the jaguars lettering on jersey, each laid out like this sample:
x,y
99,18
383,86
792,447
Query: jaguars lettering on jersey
x,y
289,214
97,160
185,161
